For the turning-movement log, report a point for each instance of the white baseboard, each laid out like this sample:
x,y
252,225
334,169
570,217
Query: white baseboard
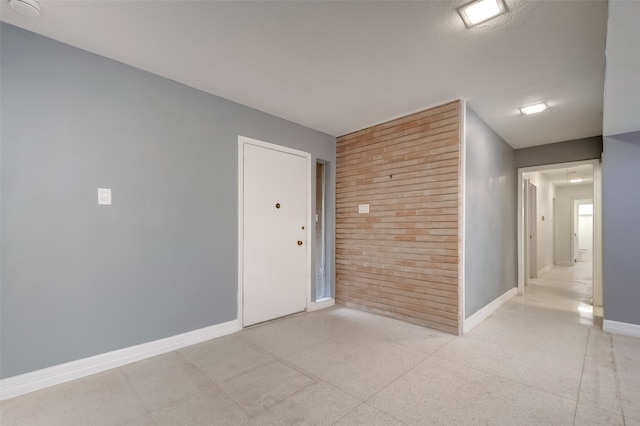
x,y
39,379
321,304
545,269
490,308
564,263
624,328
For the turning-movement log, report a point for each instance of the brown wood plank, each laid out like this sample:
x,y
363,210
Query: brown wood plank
x,y
402,258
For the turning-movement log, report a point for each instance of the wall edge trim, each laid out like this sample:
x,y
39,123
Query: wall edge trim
x,y
21,384
462,221
323,304
623,328
488,309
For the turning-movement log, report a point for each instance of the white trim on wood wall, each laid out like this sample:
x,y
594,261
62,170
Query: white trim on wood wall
x,y
462,228
62,373
487,310
623,328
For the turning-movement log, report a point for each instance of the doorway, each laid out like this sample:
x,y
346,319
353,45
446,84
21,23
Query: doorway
x,y
556,221
583,230
273,231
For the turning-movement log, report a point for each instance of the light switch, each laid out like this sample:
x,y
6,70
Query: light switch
x,y
104,196
363,208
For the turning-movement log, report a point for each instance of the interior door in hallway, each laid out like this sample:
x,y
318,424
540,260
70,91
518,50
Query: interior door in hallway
x,y
275,268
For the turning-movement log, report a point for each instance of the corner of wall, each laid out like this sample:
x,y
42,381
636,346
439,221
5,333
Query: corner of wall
x,y
462,218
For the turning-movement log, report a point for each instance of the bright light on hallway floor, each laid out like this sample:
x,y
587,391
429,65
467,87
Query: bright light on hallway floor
x,y
539,360
568,288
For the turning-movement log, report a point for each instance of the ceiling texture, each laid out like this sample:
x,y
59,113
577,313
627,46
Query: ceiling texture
x,y
340,66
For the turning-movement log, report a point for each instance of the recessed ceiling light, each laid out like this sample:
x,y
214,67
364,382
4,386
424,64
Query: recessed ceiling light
x,y
534,109
26,7
573,177
479,11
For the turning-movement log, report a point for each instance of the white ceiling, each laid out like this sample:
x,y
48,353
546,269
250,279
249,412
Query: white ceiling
x,y
340,66
559,177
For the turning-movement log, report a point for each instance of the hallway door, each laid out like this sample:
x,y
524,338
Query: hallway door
x,y
275,250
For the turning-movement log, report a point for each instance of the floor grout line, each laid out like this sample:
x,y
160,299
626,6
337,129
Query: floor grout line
x,y
618,390
584,362
369,343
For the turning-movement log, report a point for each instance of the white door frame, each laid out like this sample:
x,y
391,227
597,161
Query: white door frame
x,y
597,221
598,282
531,195
462,249
242,141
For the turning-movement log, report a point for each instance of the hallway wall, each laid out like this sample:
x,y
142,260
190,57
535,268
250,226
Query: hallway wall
x,y
560,152
490,215
545,193
79,279
621,227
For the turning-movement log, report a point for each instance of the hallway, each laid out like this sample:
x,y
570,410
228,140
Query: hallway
x,y
569,288
537,360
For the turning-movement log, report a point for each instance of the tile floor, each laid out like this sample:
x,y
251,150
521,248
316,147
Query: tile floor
x,y
539,360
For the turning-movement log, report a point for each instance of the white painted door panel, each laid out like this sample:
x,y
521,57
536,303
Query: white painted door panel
x,y
275,248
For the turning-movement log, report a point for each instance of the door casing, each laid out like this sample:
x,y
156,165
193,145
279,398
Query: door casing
x,y
597,224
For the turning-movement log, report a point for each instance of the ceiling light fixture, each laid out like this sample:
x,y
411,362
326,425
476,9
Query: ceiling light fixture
x,y
479,11
26,7
573,177
534,109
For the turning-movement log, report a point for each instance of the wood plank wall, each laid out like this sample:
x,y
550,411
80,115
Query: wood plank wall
x,y
401,259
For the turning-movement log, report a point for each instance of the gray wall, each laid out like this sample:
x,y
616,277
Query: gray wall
x,y
561,152
621,227
490,215
80,279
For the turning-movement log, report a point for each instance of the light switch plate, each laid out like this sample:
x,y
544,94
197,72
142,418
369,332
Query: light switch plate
x,y
363,208
104,196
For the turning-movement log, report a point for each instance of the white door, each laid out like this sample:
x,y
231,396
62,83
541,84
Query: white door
x,y
275,274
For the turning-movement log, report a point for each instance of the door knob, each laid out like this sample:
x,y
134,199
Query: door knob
x,y
299,242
